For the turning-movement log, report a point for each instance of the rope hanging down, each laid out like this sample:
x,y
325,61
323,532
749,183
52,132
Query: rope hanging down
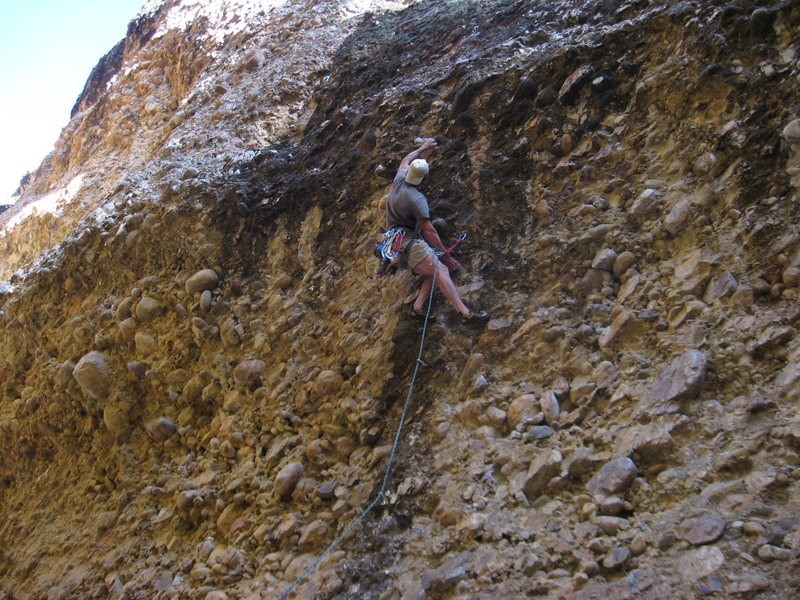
x,y
379,497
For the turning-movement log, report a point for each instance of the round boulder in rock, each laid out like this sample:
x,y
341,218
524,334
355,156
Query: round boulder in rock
x,y
540,432
127,328
93,376
704,163
474,362
326,489
704,529
678,218
624,262
550,407
762,21
227,450
592,281
64,374
124,308
617,557
328,382
791,133
604,260
543,468
546,97
248,371
161,429
681,380
147,309
187,499
615,477
206,300
791,277
524,409
230,332
138,369
287,478
206,279
193,389
526,89
313,535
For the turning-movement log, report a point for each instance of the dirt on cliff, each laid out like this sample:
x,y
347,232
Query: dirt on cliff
x,y
201,378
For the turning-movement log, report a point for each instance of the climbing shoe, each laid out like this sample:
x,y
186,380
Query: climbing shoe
x,y
475,318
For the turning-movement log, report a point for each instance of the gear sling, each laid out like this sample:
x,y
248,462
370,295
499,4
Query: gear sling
x,y
390,250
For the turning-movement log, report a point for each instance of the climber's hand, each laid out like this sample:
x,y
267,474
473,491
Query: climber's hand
x,y
428,144
451,263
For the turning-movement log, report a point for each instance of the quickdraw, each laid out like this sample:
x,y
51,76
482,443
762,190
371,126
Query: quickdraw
x,y
460,239
388,250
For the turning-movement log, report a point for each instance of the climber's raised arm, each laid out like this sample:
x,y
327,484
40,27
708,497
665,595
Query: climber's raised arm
x,y
426,145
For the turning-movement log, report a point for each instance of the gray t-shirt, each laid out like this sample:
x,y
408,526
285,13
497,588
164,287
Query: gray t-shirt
x,y
406,204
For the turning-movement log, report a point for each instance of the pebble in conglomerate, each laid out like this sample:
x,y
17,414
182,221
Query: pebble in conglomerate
x,y
540,432
93,375
682,379
206,279
161,429
287,478
704,529
64,374
791,133
147,309
550,407
248,371
524,409
613,478
604,260
617,557
205,301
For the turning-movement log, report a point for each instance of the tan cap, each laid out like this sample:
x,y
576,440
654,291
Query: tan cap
x,y
417,171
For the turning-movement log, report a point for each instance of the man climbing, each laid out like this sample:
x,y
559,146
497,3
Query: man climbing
x,y
407,208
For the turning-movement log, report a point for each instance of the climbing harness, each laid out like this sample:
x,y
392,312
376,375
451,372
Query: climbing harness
x,y
380,497
390,250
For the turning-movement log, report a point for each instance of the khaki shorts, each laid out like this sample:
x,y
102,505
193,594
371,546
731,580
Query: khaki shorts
x,y
419,251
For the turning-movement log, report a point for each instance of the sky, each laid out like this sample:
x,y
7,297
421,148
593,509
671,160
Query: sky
x,y
48,48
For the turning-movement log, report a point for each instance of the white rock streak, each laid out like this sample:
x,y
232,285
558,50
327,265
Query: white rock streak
x,y
51,203
225,17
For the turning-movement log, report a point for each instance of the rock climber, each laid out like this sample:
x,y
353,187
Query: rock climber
x,y
407,208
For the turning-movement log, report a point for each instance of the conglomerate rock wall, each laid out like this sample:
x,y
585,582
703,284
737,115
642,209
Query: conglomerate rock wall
x,y
202,378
